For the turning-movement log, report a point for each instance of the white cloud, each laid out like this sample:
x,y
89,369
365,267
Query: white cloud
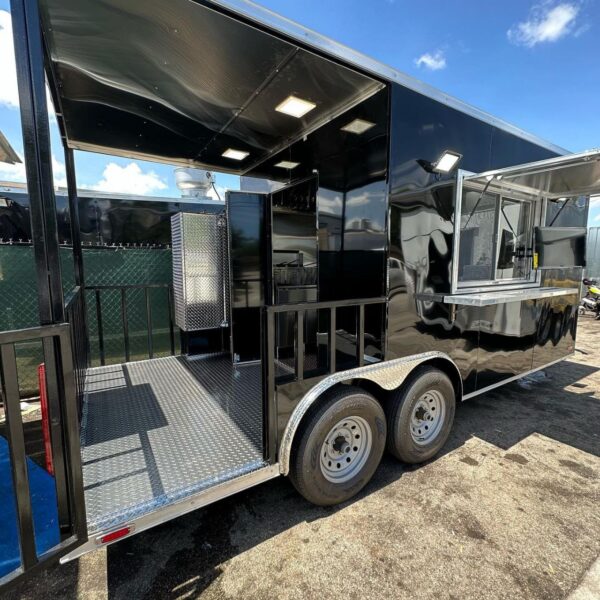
x,y
434,61
129,180
59,172
9,95
12,172
16,173
547,22
9,92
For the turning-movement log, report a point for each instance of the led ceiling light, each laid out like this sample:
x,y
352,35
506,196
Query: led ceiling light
x,y
235,154
295,107
358,126
287,164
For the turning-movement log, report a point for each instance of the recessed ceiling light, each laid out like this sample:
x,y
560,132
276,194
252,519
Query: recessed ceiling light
x,y
287,164
358,126
295,107
235,154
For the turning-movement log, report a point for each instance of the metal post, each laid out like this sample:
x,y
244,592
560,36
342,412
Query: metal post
x,y
74,217
332,338
31,80
360,336
270,403
300,345
18,459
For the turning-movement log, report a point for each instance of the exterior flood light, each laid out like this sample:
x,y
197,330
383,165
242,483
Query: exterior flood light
x,y
358,126
295,107
287,164
446,162
235,154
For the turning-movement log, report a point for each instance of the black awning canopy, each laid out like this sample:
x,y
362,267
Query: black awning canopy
x,y
181,82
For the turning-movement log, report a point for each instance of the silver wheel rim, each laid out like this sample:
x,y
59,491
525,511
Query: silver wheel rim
x,y
427,417
346,449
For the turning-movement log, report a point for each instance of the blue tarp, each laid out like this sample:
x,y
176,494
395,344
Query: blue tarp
x,y
43,504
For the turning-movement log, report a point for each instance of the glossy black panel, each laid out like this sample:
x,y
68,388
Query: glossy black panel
x,y
507,334
420,255
421,242
15,221
422,129
557,326
103,220
351,199
122,221
248,248
508,150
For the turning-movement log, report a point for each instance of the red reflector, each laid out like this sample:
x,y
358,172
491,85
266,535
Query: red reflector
x,y
115,535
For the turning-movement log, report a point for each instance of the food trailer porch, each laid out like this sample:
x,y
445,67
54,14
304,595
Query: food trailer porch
x,y
156,431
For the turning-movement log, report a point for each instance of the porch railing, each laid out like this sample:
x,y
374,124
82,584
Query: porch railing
x,y
122,290
75,316
270,350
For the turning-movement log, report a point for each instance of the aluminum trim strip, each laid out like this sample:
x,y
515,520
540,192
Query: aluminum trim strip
x,y
269,19
172,511
388,374
490,298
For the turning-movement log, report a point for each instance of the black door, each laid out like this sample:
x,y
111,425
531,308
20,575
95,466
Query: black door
x,y
248,244
42,514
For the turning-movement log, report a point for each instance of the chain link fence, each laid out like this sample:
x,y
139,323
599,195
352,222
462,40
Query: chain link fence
x,y
118,266
104,266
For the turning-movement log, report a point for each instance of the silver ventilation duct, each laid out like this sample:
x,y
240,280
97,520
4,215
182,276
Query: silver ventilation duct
x,y
195,183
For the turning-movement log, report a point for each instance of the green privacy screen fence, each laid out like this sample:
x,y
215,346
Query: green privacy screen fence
x,y
104,266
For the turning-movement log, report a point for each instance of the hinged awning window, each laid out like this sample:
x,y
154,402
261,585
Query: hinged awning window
x,y
561,177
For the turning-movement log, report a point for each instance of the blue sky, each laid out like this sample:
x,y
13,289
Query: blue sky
x,y
534,64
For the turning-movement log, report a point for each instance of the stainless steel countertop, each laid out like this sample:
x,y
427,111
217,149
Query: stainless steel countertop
x,y
488,298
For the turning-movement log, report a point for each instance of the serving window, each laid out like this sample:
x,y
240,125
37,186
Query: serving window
x,y
496,238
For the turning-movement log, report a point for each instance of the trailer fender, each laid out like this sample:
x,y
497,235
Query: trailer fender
x,y
389,375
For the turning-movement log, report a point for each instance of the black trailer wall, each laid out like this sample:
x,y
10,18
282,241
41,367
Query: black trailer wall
x,y
421,233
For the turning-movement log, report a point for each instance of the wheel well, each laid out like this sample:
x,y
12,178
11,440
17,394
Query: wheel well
x,y
380,393
452,371
442,364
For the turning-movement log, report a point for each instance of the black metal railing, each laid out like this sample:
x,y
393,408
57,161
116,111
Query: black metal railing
x,y
75,315
270,349
122,291
63,432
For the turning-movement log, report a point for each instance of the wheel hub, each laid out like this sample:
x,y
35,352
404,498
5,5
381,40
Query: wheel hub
x,y
427,417
346,448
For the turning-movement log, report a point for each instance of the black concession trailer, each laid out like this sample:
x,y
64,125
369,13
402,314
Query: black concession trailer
x,y
411,252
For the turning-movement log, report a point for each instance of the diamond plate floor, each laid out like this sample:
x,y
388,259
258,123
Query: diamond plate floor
x,y
158,430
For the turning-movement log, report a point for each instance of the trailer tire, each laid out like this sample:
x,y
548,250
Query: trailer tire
x,y
416,432
338,446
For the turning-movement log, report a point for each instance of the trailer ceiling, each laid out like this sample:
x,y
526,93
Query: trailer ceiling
x,y
180,82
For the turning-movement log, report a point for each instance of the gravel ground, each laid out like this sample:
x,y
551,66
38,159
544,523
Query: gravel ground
x,y
511,509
